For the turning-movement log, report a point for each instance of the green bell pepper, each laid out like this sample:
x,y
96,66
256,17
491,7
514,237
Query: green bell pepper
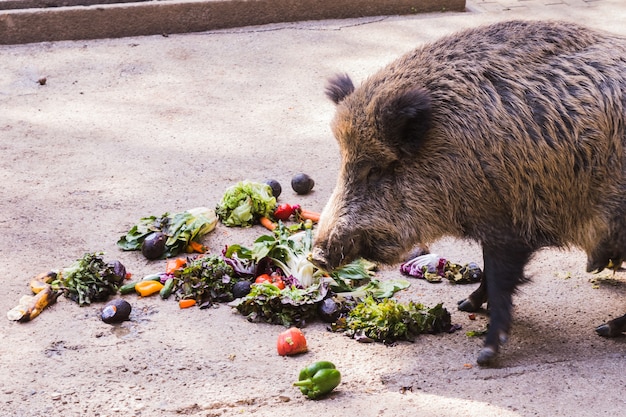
x,y
318,379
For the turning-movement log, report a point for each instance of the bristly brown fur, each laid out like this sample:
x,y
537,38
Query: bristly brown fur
x,y
511,135
524,140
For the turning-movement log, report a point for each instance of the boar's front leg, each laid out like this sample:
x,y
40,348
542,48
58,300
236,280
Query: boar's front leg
x,y
503,272
612,328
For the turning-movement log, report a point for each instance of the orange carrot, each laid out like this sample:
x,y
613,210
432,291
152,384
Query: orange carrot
x,y
267,223
186,303
174,265
196,247
309,215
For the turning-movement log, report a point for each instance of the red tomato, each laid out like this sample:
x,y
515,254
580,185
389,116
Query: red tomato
x,y
283,212
291,342
272,279
263,278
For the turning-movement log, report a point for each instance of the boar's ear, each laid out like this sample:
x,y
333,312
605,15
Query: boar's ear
x,y
339,87
406,118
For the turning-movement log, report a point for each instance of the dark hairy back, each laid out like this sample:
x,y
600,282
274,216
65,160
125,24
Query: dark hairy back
x,y
538,108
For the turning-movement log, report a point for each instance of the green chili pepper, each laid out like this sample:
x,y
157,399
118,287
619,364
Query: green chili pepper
x,y
318,379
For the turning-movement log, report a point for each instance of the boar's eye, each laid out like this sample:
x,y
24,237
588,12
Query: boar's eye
x,y
379,173
406,119
374,174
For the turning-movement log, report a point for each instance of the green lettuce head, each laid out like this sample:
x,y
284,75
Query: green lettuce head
x,y
244,203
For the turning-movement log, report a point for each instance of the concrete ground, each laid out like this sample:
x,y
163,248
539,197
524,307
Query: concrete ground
x,y
95,134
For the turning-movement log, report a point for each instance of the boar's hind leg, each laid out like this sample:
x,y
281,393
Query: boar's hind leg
x,y
612,328
504,271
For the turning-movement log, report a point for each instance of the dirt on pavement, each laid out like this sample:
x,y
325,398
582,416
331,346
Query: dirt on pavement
x,y
132,127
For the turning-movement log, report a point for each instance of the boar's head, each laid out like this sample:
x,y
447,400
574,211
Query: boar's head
x,y
388,194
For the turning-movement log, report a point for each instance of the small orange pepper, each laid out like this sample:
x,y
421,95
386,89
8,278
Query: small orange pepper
x,y
146,288
186,303
174,265
196,247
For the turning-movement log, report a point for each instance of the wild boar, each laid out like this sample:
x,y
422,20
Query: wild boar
x,y
511,135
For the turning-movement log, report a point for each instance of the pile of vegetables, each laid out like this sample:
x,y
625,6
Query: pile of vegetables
x,y
169,234
271,281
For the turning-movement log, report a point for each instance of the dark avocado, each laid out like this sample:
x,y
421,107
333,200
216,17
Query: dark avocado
x,y
276,188
329,310
116,311
153,245
241,289
302,183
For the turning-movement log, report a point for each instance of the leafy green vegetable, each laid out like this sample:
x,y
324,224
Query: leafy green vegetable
x,y
389,321
180,229
357,272
245,202
90,279
377,289
207,279
289,307
287,248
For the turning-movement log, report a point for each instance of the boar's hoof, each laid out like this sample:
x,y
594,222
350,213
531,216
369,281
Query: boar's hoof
x,y
475,300
487,356
604,330
468,305
612,328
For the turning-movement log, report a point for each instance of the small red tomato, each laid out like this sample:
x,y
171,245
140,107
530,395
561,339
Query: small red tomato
x,y
263,278
283,212
291,342
278,281
274,279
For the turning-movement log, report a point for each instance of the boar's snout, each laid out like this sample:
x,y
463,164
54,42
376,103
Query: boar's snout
x,y
329,255
335,245
320,260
